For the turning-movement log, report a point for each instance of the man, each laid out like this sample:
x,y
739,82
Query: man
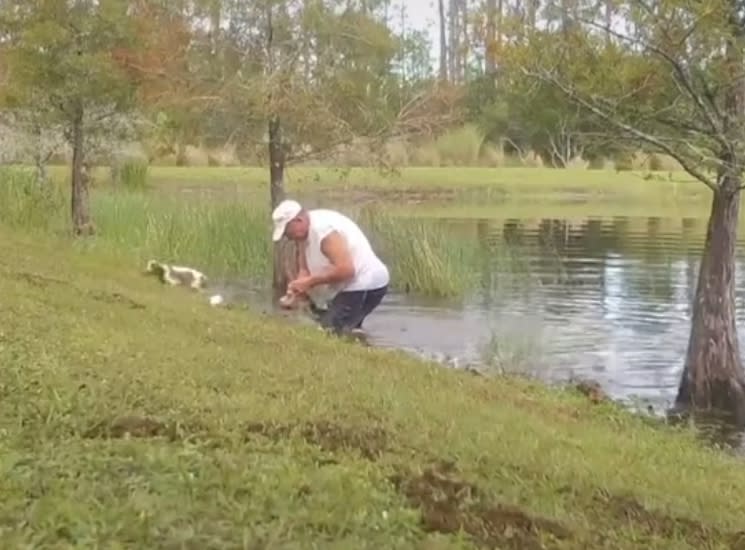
x,y
336,262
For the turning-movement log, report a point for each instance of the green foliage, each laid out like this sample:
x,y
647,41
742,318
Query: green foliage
x,y
461,147
328,75
25,203
655,163
423,257
534,117
62,53
658,82
623,161
224,238
130,173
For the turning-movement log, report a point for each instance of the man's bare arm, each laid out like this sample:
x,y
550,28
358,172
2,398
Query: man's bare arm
x,y
302,262
335,248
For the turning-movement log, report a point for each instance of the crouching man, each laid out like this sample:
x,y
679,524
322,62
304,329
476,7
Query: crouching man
x,y
336,262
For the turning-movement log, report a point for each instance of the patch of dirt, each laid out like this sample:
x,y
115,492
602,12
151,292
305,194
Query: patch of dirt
x,y
115,298
362,195
43,281
133,426
369,442
449,505
37,280
627,510
592,390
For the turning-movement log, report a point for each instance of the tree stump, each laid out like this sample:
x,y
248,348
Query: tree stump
x,y
286,266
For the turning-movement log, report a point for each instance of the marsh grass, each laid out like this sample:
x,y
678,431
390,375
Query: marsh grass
x,y
422,256
433,258
25,203
225,239
130,173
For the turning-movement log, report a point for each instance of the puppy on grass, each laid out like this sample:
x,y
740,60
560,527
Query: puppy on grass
x,y
177,275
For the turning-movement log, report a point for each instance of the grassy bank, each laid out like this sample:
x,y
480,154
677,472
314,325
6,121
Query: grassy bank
x,y
449,181
326,444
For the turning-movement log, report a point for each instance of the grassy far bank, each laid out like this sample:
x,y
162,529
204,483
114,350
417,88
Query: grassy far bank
x,y
325,444
455,180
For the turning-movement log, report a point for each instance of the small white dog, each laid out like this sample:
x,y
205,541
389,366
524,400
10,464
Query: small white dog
x,y
177,275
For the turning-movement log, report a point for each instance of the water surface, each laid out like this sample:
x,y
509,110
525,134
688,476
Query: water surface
x,y
606,299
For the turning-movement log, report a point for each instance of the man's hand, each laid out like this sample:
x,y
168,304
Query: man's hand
x,y
334,247
301,285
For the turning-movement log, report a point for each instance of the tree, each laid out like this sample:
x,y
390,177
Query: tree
x,y
443,40
673,82
308,79
59,55
170,87
28,133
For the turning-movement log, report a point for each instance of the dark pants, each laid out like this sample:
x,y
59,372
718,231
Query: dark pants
x,y
348,310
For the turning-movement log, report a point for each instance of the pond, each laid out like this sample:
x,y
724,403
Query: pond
x,y
617,309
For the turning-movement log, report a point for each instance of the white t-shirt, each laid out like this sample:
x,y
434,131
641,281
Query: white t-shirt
x,y
370,272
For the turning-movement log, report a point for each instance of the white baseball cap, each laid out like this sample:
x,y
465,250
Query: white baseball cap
x,y
286,211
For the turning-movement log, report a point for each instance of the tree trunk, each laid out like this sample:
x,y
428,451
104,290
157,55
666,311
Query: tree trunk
x,y
608,21
533,6
566,22
464,41
276,162
492,44
285,266
443,42
284,255
40,160
713,377
80,203
453,36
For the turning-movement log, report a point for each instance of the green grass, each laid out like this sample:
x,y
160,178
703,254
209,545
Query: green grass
x,y
435,260
227,239
453,192
130,173
503,180
26,204
260,433
423,257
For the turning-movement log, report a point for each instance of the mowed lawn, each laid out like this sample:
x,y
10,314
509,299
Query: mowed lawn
x,y
135,415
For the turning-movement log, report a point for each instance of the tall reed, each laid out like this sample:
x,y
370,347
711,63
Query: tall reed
x,y
30,204
423,257
130,173
226,239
